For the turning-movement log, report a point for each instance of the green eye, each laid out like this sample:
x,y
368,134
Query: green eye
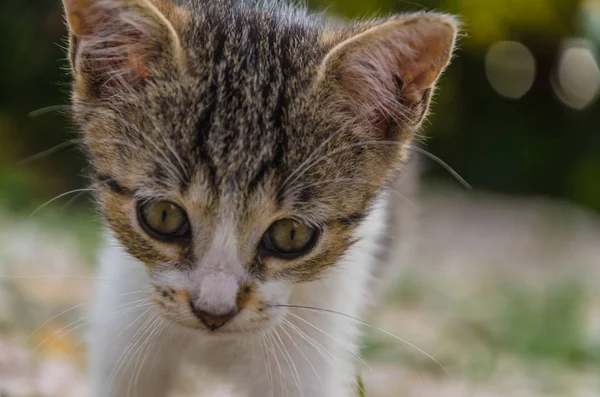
x,y
289,239
163,220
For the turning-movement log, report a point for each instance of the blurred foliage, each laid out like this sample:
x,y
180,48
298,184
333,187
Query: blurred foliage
x,y
32,76
546,327
534,145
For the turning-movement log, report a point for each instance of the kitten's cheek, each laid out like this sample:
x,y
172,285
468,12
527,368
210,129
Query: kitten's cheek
x,y
276,296
275,292
275,315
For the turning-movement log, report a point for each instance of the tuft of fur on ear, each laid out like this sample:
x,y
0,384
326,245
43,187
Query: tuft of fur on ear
x,y
117,43
383,75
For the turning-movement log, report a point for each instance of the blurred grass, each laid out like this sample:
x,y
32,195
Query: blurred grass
x,y
544,327
81,222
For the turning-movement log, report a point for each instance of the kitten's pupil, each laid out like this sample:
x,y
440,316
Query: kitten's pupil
x,y
289,239
163,220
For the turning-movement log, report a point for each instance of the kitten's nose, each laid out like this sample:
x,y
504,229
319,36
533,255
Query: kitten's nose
x,y
211,320
216,300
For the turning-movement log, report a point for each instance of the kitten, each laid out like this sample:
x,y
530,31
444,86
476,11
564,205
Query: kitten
x,y
243,156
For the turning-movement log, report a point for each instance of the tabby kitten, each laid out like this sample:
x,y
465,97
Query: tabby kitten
x,y
243,155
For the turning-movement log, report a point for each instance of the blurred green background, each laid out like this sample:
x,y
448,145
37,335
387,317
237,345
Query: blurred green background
x,y
517,111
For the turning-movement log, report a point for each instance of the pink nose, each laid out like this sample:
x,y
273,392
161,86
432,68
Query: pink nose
x,y
216,300
213,321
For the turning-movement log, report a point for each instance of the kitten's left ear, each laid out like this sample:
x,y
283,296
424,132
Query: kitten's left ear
x,y
116,43
383,75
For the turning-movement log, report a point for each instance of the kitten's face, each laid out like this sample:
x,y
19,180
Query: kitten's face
x,y
236,152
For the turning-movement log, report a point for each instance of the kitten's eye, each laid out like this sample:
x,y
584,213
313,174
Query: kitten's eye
x,y
289,239
163,220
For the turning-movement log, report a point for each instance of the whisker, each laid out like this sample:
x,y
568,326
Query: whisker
x,y
309,165
338,150
325,354
162,345
170,168
57,108
352,180
271,346
145,350
47,152
69,310
114,316
445,165
310,158
72,201
55,149
131,345
285,322
267,363
330,336
59,197
82,322
328,311
290,362
169,146
53,318
49,109
319,348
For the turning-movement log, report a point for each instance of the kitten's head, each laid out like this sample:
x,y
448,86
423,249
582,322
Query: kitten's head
x,y
236,149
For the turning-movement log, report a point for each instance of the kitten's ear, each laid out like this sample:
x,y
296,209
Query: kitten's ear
x,y
383,75
116,43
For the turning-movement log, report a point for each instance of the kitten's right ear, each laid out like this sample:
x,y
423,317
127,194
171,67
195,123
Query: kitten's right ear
x,y
382,73
119,43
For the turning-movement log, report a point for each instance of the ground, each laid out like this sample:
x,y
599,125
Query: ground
x,y
500,299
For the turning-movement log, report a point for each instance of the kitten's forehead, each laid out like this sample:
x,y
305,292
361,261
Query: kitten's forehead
x,y
250,73
230,120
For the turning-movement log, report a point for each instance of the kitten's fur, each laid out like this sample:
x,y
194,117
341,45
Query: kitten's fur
x,y
243,115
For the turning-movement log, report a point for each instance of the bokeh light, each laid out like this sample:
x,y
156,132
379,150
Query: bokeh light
x,y
510,68
576,81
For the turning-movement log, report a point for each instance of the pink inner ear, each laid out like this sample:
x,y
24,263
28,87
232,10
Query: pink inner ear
x,y
367,69
137,64
137,55
109,43
369,82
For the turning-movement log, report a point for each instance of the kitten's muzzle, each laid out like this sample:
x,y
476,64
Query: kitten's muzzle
x,y
211,320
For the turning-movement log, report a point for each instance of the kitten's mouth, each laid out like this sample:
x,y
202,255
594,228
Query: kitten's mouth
x,y
247,321
234,329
